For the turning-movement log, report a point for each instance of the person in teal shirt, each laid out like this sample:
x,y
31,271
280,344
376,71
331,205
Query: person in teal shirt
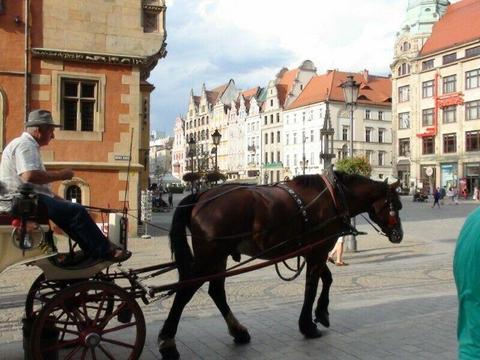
x,y
466,270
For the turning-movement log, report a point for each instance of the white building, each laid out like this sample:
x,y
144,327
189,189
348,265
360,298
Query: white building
x,y
372,134
179,148
252,160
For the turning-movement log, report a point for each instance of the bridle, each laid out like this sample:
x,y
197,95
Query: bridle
x,y
392,221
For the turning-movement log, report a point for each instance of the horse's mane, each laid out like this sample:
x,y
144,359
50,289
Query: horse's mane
x,y
308,180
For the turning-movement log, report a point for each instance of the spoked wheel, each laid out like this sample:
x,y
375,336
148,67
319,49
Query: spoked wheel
x,y
40,293
78,324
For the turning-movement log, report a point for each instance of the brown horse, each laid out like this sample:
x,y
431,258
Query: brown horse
x,y
238,219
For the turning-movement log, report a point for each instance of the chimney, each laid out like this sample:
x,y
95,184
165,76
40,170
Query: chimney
x,y
365,75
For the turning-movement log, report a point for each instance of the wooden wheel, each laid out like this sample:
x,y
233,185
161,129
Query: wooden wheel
x,y
78,324
40,293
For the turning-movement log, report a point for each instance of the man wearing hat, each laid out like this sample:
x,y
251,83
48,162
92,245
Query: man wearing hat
x,y
21,163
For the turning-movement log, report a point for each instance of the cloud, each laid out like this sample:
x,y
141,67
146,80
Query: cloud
x,y
212,41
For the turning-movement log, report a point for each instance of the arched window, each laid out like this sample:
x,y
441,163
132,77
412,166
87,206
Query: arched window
x,y
73,192
404,69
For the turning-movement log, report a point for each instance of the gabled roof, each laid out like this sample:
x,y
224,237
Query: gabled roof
x,y
196,100
284,84
216,93
374,90
459,25
247,94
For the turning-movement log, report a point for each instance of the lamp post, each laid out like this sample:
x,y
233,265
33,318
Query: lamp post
x,y
216,136
350,93
192,144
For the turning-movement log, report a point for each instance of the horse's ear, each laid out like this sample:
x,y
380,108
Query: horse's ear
x,y
395,185
386,180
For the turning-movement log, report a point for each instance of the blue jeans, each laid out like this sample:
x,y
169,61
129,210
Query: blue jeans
x,y
75,221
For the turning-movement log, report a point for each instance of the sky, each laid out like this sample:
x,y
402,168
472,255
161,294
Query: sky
x,y
213,41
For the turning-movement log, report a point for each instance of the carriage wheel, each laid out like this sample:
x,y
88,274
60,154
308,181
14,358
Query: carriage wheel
x,y
76,324
42,291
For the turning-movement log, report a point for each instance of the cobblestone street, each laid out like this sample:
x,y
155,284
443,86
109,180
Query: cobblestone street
x,y
391,302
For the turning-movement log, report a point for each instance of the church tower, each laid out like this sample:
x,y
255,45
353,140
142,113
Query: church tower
x,y
417,27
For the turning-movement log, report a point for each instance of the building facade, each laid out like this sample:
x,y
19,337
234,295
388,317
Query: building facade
x,y
436,96
88,63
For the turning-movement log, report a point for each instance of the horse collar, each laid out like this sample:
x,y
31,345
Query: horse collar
x,y
297,199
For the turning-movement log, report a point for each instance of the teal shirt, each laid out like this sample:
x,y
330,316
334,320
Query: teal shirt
x,y
466,269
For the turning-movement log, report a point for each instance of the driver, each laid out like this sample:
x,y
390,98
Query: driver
x,y
21,163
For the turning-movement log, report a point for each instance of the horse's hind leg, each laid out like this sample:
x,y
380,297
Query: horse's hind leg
x,y
216,290
321,311
305,323
166,337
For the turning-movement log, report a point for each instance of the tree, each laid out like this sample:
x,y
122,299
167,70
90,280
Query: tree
x,y
357,165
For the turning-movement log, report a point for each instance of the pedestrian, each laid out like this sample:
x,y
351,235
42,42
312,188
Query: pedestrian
x,y
466,271
475,193
170,199
455,195
337,251
22,163
436,197
442,194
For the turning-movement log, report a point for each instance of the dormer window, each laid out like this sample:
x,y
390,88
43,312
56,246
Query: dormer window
x,y
406,46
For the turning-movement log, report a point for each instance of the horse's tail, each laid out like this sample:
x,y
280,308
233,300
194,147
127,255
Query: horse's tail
x,y
178,235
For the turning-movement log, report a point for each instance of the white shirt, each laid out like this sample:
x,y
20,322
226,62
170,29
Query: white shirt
x,y
20,155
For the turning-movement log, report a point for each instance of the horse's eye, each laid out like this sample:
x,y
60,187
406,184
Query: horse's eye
x,y
392,213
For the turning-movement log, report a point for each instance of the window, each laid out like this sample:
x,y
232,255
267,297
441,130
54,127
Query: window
x,y
278,136
278,117
266,139
295,159
472,140
381,158
345,133
368,155
288,160
367,114
404,147
472,110
294,138
278,156
272,138
368,134
403,69
287,139
406,46
404,120
427,89
449,58
74,194
271,102
472,52
427,65
427,117
450,114
266,158
271,118
449,84
79,104
449,143
311,136
272,159
472,79
380,115
266,120
150,21
403,93
381,135
428,145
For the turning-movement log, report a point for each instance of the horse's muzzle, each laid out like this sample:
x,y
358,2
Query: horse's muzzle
x,y
396,236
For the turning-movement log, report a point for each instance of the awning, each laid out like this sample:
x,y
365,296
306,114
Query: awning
x,y
403,165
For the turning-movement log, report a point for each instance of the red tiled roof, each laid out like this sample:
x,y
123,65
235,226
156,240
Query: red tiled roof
x,y
459,25
285,84
376,91
214,94
247,94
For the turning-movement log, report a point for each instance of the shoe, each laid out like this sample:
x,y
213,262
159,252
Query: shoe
x,y
117,255
341,263
330,259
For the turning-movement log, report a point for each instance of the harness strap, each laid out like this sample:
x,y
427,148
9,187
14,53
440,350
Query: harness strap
x,y
297,199
330,189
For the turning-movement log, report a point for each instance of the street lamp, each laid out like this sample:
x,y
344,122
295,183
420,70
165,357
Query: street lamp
x,y
216,136
192,144
350,93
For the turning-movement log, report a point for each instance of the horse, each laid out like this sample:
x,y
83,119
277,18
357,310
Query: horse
x,y
268,221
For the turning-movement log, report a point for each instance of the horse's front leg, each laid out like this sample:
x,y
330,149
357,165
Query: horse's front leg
x,y
321,311
239,332
305,323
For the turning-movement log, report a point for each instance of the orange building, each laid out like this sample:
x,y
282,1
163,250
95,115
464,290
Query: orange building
x,y
88,63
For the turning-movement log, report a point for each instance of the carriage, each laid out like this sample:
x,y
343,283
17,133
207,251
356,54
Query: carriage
x,y
87,309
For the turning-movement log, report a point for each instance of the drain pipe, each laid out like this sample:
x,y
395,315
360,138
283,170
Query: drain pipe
x,y
27,53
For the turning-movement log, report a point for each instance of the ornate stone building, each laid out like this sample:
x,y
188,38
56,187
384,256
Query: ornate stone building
x,y
87,62
436,94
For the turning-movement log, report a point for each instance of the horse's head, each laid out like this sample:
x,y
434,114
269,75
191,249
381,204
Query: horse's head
x,y
384,211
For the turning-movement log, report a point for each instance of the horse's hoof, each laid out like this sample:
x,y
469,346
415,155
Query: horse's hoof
x,y
170,353
311,332
241,337
323,318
